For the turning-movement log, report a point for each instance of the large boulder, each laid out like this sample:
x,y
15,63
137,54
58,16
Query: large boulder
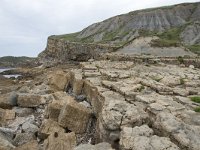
x,y
60,141
30,100
77,81
75,117
59,80
7,101
53,109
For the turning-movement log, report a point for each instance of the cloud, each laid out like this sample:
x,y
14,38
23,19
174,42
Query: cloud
x,y
26,24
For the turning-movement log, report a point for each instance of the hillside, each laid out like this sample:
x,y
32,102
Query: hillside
x,y
10,61
175,27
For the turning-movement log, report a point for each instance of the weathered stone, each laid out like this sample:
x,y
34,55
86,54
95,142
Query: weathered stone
x,y
59,80
29,127
22,138
23,112
100,146
141,138
171,80
75,117
6,114
60,141
7,101
48,127
30,100
5,144
77,82
32,145
54,108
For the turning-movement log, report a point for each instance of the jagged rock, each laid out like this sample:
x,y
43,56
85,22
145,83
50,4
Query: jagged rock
x,y
23,138
74,116
142,138
48,127
7,101
30,100
5,144
100,146
32,145
60,141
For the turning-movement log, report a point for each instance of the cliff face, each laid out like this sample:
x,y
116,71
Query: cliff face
x,y
175,26
62,51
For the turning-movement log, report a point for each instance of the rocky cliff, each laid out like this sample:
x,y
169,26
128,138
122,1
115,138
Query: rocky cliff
x,y
175,26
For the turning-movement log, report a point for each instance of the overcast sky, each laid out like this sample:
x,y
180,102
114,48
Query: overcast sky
x,y
26,24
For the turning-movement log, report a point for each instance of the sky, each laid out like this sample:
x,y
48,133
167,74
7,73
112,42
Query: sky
x,y
26,24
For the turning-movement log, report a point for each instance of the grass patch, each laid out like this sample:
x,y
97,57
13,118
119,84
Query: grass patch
x,y
182,81
195,99
197,109
180,59
194,48
168,38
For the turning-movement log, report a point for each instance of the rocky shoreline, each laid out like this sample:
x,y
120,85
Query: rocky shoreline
x,y
101,105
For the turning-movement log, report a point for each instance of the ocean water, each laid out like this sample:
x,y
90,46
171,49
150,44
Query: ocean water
x,y
9,76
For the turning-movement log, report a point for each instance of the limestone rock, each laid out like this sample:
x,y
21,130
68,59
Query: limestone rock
x,y
142,138
75,117
5,144
8,101
48,127
6,114
23,112
60,141
30,100
23,138
59,80
100,146
54,108
32,145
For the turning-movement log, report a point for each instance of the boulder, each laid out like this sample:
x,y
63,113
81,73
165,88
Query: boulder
x,y
32,145
7,101
59,80
100,146
53,109
30,100
74,116
48,127
60,141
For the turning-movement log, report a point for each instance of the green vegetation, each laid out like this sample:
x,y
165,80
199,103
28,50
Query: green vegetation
x,y
197,109
194,48
141,88
182,81
69,37
195,99
168,38
180,59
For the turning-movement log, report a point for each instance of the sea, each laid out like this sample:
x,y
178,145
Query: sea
x,y
9,76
